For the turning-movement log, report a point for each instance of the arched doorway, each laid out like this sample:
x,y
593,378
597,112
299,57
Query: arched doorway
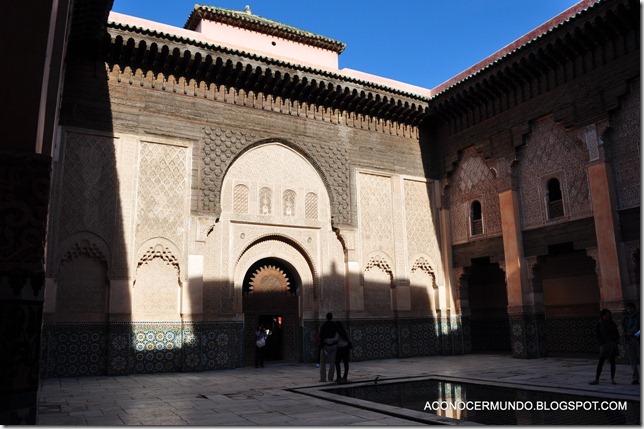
x,y
490,324
270,292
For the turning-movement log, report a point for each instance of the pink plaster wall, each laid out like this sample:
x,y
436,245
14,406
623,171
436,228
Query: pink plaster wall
x,y
271,46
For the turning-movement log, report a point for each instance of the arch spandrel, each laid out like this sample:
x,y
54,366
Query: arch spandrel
x,y
279,168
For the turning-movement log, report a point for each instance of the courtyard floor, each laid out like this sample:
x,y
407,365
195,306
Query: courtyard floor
x,y
290,394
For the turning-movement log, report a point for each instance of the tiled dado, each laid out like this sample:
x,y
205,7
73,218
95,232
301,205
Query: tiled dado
x,y
576,335
385,339
488,334
528,336
77,349
71,349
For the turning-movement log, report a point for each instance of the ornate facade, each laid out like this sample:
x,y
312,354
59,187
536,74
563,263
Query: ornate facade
x,y
202,188
203,183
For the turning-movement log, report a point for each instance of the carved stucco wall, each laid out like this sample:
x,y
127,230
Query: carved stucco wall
x,y
162,214
220,147
551,152
376,216
82,280
156,289
422,241
272,190
88,186
625,149
82,240
473,180
120,199
398,242
162,193
279,170
424,288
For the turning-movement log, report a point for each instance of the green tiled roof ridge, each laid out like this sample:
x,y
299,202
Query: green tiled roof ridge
x,y
263,25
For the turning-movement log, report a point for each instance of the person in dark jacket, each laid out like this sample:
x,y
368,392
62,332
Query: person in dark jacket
x,y
329,339
342,354
608,338
631,326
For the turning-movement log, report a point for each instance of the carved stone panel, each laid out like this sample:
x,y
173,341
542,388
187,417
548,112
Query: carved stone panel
x,y
377,285
221,147
376,213
419,224
551,152
82,281
162,193
473,180
155,294
89,184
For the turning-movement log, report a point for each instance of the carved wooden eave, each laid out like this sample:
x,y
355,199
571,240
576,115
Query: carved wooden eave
x,y
150,52
604,31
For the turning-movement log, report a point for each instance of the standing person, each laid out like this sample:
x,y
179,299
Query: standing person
x,y
608,337
261,336
342,354
631,326
318,344
329,338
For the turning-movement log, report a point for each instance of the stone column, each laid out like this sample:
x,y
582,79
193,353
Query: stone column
x,y
527,328
354,284
24,198
611,259
448,299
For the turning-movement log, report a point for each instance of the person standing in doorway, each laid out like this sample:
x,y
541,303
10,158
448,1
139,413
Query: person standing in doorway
x,y
342,354
631,326
329,338
608,337
261,336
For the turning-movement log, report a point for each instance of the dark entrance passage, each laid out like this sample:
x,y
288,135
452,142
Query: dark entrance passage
x,y
488,300
274,323
270,298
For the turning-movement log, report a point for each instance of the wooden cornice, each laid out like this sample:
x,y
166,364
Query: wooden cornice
x,y
604,32
207,64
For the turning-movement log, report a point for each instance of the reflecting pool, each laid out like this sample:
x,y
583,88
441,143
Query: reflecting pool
x,y
496,404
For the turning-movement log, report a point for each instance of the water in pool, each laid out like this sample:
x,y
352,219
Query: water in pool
x,y
495,405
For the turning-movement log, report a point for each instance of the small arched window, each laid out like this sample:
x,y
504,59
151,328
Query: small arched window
x,y
265,201
311,206
555,199
240,199
289,203
476,218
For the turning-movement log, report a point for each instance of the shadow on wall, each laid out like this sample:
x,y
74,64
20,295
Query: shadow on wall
x,y
86,310
111,347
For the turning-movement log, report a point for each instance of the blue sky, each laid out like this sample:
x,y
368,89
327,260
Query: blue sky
x,y
420,42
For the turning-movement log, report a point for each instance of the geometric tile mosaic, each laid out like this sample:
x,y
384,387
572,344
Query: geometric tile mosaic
x,y
74,350
572,335
81,349
387,338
